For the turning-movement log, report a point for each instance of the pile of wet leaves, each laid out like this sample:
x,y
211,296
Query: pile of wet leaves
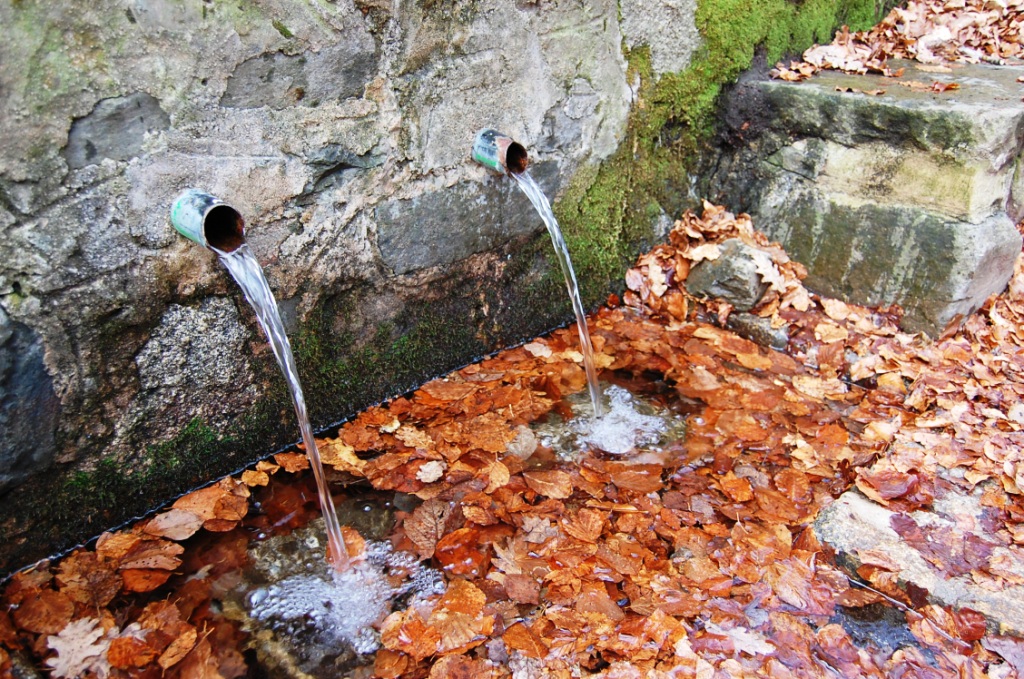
x,y
694,558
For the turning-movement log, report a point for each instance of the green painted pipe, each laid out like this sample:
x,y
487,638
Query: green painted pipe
x,y
208,220
499,152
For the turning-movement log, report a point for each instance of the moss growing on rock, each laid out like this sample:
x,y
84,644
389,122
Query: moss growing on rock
x,y
607,212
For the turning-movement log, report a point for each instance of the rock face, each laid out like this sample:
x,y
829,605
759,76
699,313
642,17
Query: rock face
x,y
341,131
907,197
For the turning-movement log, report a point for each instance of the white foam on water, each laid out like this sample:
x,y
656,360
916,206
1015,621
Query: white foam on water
x,y
621,429
345,606
628,425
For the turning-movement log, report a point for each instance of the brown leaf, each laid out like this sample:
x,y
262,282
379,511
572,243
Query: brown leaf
x,y
554,484
144,579
87,579
520,638
175,524
152,554
425,526
292,462
523,589
458,553
253,477
970,624
179,648
46,613
128,652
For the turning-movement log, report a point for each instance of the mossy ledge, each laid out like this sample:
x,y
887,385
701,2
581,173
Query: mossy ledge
x,y
608,211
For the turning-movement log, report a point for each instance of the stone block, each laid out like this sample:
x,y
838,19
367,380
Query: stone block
x,y
907,197
732,278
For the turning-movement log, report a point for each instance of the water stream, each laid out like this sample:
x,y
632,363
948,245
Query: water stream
x,y
249,275
540,202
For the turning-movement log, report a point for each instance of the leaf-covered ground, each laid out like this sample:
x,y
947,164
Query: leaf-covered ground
x,y
697,560
932,32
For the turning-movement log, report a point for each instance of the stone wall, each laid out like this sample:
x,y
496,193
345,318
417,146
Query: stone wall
x,y
341,130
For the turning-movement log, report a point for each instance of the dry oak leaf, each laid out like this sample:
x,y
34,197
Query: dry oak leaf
x,y
45,613
292,462
554,484
81,648
126,652
425,526
179,648
155,554
407,632
520,638
341,456
144,579
220,506
254,477
175,524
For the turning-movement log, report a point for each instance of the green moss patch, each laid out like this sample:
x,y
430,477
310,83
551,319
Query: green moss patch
x,y
608,212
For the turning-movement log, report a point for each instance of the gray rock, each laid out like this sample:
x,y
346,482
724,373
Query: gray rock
x,y
853,525
909,197
760,330
29,408
114,129
440,228
195,364
732,278
666,26
279,80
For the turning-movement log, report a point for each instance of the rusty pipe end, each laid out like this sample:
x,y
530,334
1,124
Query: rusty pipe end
x,y
499,152
208,220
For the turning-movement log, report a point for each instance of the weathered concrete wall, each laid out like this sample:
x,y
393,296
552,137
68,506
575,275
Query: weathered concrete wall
x,y
341,130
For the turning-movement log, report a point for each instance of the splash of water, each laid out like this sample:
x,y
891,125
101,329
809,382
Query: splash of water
x,y
346,606
629,426
249,275
540,202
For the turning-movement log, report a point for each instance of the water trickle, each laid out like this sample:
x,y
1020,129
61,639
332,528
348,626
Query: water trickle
x,y
540,202
249,275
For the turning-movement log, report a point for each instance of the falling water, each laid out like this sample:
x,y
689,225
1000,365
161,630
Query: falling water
x,y
249,275
540,202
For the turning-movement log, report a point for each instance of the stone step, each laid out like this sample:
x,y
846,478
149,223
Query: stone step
x,y
909,196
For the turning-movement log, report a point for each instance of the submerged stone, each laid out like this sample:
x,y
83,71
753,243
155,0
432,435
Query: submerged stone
x,y
856,527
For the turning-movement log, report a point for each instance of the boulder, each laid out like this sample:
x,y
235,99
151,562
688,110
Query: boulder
x,y
906,196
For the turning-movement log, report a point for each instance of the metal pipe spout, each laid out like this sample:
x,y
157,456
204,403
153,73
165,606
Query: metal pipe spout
x,y
499,152
208,220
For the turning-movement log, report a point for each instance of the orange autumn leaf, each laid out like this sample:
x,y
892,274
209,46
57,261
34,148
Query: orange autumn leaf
x,y
292,462
128,652
518,637
48,612
554,484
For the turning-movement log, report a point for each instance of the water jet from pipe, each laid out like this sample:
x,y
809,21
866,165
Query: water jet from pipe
x,y
212,223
